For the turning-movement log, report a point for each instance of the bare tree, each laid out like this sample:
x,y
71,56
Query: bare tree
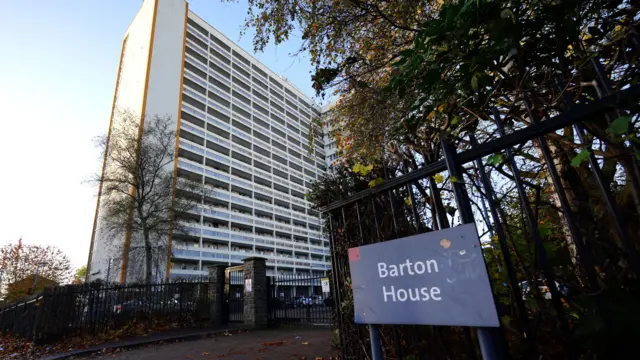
x,y
139,200
19,261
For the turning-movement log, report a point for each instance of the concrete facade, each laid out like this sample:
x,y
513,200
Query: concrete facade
x,y
242,131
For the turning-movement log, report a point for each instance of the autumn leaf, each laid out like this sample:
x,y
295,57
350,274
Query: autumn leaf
x,y
376,182
361,169
408,201
438,178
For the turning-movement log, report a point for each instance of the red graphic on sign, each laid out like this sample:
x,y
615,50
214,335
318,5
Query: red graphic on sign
x,y
354,254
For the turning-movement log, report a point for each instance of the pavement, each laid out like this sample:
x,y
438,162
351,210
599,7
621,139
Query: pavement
x,y
273,344
153,338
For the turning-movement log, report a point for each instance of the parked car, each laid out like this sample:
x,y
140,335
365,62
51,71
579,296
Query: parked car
x,y
298,301
307,301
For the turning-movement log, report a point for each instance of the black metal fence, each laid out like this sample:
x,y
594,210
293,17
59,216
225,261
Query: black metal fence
x,y
234,294
549,253
98,308
298,300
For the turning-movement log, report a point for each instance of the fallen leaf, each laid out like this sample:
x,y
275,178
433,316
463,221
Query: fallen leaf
x,y
305,343
205,353
273,343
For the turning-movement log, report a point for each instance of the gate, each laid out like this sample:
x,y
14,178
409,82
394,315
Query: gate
x,y
234,294
297,300
550,292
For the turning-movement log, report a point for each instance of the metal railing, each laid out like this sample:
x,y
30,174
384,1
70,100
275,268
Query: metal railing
x,y
566,293
97,308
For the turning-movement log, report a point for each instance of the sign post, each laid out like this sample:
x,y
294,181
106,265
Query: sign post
x,y
376,346
435,278
325,285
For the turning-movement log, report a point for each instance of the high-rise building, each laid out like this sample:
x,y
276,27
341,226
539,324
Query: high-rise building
x,y
243,132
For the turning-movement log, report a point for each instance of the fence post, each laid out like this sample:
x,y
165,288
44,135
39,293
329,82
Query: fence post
x,y
216,294
255,293
491,340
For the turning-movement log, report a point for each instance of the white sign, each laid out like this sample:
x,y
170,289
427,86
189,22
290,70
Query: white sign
x,y
325,285
247,285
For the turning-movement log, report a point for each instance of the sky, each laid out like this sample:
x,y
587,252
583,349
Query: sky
x,y
58,62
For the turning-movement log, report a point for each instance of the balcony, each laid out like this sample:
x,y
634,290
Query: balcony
x,y
242,120
186,254
193,61
219,77
218,48
192,129
215,255
212,104
211,234
242,65
188,272
243,92
219,92
242,77
219,63
197,48
191,167
193,111
195,78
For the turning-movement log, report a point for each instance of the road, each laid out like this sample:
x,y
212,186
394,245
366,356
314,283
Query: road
x,y
263,344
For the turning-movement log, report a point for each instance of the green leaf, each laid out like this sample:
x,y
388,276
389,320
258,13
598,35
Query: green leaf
x,y
376,182
408,201
580,158
438,178
474,82
361,169
494,159
455,120
455,180
620,125
466,5
574,315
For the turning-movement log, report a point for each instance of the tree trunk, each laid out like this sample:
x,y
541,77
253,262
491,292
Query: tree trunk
x,y
148,257
559,166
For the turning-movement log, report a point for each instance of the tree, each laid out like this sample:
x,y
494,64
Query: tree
x,y
525,61
138,200
80,275
19,261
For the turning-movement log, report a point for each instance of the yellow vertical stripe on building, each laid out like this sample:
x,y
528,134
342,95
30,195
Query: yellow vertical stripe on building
x,y
104,161
175,160
127,237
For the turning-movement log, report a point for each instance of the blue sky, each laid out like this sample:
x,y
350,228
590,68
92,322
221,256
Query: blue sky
x,y
58,62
